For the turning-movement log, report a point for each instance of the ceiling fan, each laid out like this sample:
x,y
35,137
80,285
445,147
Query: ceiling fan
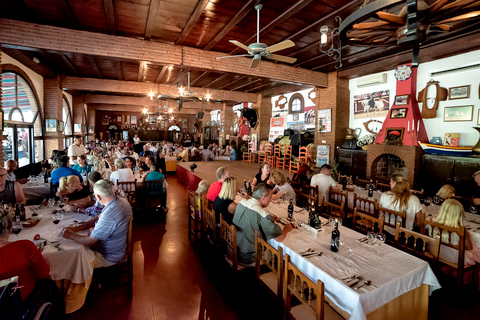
x,y
258,50
391,22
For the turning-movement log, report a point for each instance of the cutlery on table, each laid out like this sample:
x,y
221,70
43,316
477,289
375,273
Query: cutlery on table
x,y
312,254
306,251
351,285
366,283
350,278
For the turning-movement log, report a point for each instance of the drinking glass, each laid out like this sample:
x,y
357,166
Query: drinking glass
x,y
349,251
380,239
56,218
371,238
339,244
61,203
427,201
51,202
473,209
17,228
436,200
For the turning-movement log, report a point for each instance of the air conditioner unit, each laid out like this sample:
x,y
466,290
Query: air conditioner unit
x,y
372,80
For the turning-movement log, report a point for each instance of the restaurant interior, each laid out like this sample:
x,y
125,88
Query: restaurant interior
x,y
374,89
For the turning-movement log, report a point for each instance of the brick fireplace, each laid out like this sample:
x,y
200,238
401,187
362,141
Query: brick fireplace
x,y
409,155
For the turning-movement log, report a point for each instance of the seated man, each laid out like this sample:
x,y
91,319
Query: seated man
x,y
63,171
109,236
215,188
146,151
207,154
122,174
10,191
11,166
323,180
250,217
183,154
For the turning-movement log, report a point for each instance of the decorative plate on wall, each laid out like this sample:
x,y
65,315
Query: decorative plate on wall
x,y
403,72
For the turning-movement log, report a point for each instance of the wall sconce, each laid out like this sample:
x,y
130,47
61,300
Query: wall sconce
x,y
335,40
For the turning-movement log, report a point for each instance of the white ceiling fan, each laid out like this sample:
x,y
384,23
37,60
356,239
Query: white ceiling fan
x,y
258,50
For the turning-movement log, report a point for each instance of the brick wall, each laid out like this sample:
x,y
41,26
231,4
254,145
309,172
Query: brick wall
x,y
264,108
53,102
335,97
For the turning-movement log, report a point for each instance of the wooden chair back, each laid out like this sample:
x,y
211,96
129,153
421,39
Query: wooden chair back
x,y
284,162
302,158
309,194
331,210
310,294
362,183
453,238
209,222
338,197
364,222
416,244
391,217
228,243
153,192
383,187
349,179
194,221
365,205
130,190
272,260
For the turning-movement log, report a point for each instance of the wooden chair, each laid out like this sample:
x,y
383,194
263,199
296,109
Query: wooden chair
x,y
308,194
272,157
362,183
130,189
248,156
454,238
267,151
416,244
331,210
310,294
272,260
349,179
228,243
339,197
284,162
364,222
194,220
209,222
153,193
391,217
383,187
301,159
366,205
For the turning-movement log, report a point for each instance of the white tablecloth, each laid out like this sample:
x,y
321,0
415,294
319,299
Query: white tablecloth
x,y
392,273
35,190
362,193
75,263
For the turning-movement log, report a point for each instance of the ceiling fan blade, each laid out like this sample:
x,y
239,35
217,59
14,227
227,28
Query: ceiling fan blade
x,y
458,3
254,63
280,46
461,17
379,25
444,27
281,58
393,18
239,55
239,44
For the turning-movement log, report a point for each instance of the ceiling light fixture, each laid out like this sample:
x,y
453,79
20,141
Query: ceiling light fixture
x,y
335,49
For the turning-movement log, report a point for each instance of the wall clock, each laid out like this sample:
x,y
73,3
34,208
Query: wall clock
x,y
403,72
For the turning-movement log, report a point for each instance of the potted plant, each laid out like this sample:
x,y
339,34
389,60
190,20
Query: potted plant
x,y
365,140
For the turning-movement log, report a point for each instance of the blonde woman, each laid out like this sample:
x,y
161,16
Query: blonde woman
x,y
283,188
72,187
446,192
400,198
224,203
452,214
201,191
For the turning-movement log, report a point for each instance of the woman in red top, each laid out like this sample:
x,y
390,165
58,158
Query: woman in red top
x,y
20,258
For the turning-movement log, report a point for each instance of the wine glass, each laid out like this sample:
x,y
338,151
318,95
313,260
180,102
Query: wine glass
x,y
473,209
436,200
61,203
427,201
371,238
349,251
51,202
17,228
380,239
339,243
56,218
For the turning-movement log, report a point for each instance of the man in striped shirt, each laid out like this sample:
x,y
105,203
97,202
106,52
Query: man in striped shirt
x,y
109,237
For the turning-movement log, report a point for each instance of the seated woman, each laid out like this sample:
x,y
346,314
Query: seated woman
x,y
157,175
262,176
400,198
20,258
446,192
71,187
201,191
224,203
452,214
301,175
283,189
82,166
10,191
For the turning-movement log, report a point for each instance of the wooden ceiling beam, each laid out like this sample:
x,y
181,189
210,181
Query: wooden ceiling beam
x,y
133,108
95,66
118,66
142,71
258,87
278,20
30,36
27,59
217,80
197,12
246,84
230,83
199,78
68,13
161,73
233,22
282,89
110,16
143,88
152,15
70,64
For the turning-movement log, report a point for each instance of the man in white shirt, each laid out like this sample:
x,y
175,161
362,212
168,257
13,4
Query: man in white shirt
x,y
122,173
154,148
323,180
76,150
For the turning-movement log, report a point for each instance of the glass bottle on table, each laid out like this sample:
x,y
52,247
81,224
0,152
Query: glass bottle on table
x,y
23,215
370,189
290,210
335,236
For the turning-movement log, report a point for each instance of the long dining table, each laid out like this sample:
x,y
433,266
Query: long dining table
x,y
397,278
71,265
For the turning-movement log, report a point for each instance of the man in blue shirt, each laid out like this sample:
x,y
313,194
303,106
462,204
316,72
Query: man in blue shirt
x,y
63,171
109,236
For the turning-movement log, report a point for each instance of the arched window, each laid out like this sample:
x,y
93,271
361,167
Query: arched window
x,y
296,104
174,128
23,125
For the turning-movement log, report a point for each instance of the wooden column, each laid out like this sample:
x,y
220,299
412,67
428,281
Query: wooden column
x,y
53,102
91,122
264,107
227,119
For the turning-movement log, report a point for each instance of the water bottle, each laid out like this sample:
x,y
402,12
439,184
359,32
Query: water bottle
x,y
290,210
335,236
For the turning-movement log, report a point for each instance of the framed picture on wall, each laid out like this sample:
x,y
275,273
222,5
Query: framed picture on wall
x,y
461,92
398,113
402,100
61,126
324,120
394,136
463,113
105,122
50,125
77,127
133,120
119,118
91,129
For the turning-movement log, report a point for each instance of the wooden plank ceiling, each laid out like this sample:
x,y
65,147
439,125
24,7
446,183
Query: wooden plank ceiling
x,y
208,25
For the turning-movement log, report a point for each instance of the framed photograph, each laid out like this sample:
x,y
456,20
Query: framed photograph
x,y
394,136
91,129
61,126
50,125
463,113
402,100
398,113
462,92
77,127
296,117
105,122
133,120
324,120
2,122
119,118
